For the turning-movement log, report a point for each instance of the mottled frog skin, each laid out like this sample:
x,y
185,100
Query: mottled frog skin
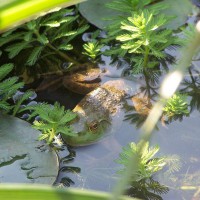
x,y
83,81
95,113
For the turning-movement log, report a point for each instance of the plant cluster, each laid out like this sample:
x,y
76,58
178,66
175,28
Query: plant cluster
x,y
144,37
52,120
141,36
44,41
176,107
92,50
8,88
126,8
143,185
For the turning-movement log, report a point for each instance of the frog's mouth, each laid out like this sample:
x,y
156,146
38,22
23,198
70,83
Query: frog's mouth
x,y
87,131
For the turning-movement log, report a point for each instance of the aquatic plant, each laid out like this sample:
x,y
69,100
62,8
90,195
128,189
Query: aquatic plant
x,y
9,87
145,38
143,185
92,50
176,107
52,120
44,40
148,165
127,8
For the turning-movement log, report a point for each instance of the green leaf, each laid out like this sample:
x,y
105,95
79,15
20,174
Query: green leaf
x,y
31,25
5,106
65,47
15,49
41,192
10,38
5,70
24,97
33,57
7,84
51,24
43,39
28,36
15,11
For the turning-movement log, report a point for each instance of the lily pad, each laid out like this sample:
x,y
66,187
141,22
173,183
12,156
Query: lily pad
x,y
23,158
95,12
180,10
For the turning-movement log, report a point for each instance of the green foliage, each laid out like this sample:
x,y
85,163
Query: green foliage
x,y
176,107
142,184
53,119
127,9
9,87
148,165
41,192
139,35
92,50
44,39
144,37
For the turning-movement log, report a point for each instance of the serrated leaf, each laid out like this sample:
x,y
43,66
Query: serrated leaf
x,y
31,25
35,54
10,38
6,84
5,106
16,48
65,34
28,36
5,70
43,39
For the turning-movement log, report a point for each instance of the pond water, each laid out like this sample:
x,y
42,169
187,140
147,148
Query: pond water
x,y
94,166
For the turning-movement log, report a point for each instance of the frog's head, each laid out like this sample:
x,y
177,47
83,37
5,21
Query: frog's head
x,y
96,111
87,130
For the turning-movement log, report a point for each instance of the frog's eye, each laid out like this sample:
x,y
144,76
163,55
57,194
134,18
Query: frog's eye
x,y
92,126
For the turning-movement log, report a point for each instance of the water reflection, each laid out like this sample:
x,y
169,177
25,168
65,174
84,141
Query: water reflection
x,y
94,166
98,170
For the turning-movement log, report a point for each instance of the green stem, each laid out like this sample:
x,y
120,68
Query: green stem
x,y
190,72
63,55
146,57
147,84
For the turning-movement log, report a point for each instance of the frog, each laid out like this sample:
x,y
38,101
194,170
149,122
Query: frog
x,y
96,113
80,82
83,81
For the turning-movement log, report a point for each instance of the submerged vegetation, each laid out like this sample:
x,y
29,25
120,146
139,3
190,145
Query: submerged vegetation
x,y
138,36
176,107
143,185
45,41
144,37
8,88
